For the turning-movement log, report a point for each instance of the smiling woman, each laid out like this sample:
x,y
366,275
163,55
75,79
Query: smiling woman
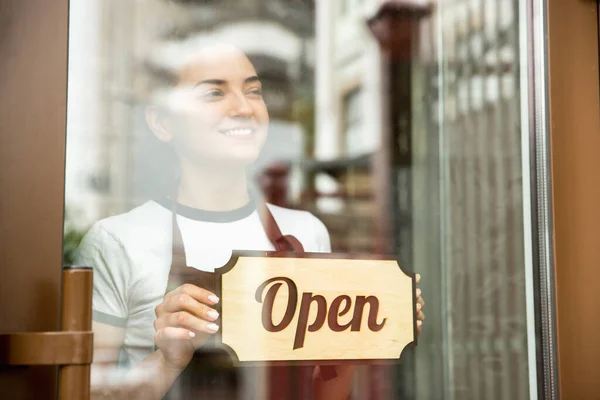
x,y
216,121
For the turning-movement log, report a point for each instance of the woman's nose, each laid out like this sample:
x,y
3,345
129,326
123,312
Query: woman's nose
x,y
240,106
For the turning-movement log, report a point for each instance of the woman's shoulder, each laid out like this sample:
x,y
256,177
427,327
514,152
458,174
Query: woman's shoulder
x,y
135,225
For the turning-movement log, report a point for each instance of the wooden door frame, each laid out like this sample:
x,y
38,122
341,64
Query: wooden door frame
x,y
33,78
574,127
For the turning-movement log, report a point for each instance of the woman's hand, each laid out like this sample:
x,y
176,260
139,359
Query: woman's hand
x,y
420,305
184,320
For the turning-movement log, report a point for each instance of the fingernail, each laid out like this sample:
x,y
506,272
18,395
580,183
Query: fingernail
x,y
418,306
418,292
212,314
192,334
213,298
419,323
212,327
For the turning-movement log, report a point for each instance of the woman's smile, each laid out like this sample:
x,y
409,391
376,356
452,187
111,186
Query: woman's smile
x,y
241,132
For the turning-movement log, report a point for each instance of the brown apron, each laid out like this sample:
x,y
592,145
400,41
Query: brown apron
x,y
211,373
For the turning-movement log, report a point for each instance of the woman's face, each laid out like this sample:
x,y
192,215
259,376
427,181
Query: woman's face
x,y
216,114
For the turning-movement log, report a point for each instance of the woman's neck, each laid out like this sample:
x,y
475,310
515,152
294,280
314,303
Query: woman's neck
x,y
213,188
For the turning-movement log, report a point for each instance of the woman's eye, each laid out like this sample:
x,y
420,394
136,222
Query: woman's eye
x,y
211,94
256,92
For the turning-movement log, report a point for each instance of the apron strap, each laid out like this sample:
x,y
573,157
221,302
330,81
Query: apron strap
x,y
292,244
281,242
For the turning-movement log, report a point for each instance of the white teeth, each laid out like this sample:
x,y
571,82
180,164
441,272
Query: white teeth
x,y
238,132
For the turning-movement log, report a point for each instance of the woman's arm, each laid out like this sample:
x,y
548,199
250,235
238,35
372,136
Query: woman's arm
x,y
184,320
151,379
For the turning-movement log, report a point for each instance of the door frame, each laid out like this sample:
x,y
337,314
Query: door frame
x,y
574,128
33,78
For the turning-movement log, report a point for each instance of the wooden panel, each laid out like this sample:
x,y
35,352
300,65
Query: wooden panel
x,y
283,308
33,72
575,137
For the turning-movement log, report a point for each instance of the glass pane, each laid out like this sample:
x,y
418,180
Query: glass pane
x,y
482,203
369,128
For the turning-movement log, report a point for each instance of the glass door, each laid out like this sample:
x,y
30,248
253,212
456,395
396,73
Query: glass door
x,y
404,130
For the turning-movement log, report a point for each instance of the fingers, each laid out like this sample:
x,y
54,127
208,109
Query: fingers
x,y
420,298
420,314
197,293
186,312
189,298
170,334
187,321
181,301
420,305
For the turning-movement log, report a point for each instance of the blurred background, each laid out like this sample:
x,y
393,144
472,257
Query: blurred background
x,y
397,123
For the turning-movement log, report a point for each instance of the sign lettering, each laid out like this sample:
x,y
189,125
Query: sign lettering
x,y
322,314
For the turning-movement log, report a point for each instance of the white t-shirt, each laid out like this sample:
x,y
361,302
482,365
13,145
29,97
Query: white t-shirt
x,y
131,257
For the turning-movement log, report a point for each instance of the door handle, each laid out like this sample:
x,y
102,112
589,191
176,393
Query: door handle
x,y
71,348
46,348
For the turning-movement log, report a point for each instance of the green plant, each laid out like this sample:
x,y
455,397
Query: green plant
x,y
71,241
72,238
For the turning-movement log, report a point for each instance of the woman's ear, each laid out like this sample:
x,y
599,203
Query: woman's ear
x,y
157,122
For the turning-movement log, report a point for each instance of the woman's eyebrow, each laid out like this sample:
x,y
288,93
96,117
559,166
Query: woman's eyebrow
x,y
218,82
221,82
252,79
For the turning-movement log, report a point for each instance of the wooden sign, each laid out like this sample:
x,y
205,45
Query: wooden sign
x,y
314,307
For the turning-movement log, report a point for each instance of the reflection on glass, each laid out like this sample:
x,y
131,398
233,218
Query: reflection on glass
x,y
408,146
483,201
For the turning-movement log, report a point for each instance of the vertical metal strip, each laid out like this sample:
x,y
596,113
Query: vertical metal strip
x,y
527,192
541,223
